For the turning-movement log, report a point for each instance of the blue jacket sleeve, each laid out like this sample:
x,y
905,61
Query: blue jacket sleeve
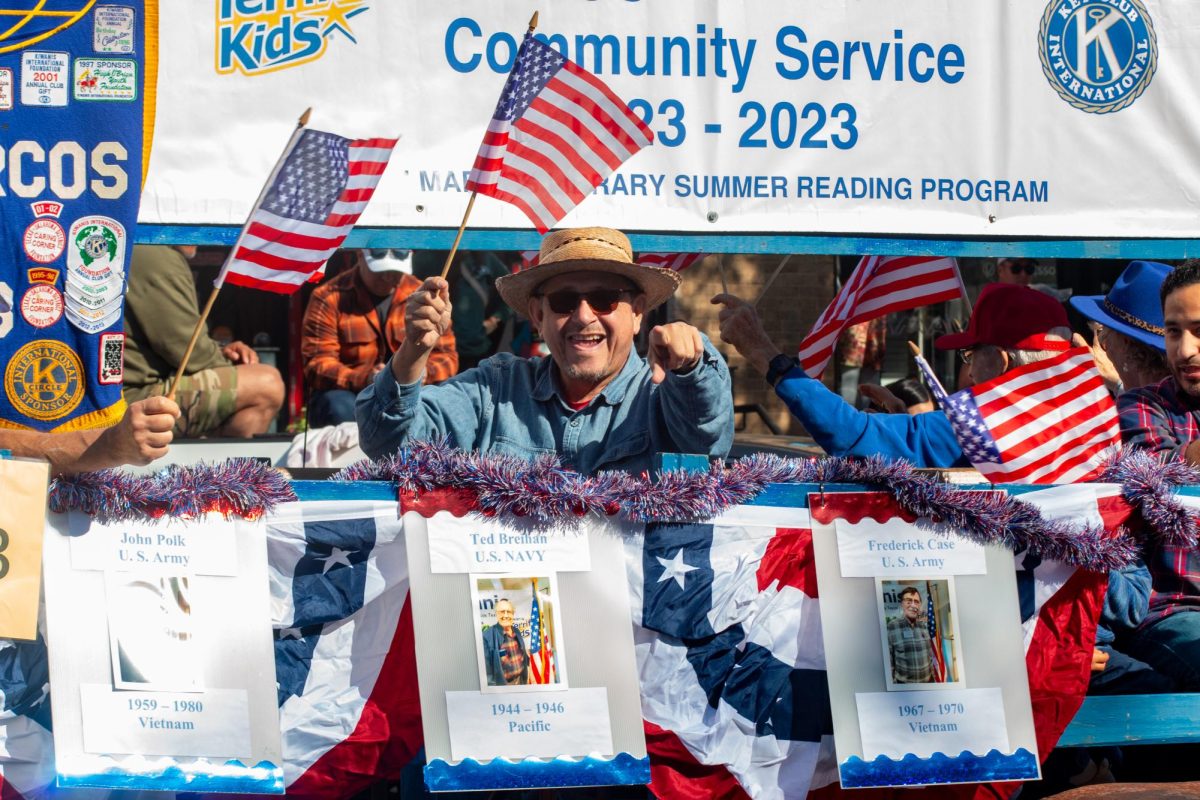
x,y
697,406
390,415
1126,602
924,440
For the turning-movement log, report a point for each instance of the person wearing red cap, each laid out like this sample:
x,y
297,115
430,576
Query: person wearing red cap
x,y
1011,326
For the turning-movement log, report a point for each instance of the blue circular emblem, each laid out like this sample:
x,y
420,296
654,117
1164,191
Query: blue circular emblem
x,y
1099,55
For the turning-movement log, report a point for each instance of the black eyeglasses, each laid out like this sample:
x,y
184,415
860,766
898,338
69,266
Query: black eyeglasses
x,y
397,254
602,301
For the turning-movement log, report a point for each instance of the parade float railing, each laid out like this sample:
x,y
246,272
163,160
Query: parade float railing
x,y
543,491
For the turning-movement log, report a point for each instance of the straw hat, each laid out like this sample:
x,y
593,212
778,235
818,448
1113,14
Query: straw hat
x,y
586,250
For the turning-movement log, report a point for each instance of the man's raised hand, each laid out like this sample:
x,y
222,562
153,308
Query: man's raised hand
x,y
676,346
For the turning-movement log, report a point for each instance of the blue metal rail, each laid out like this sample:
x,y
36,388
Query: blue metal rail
x,y
755,243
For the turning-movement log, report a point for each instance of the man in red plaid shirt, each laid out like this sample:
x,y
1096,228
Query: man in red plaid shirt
x,y
1165,418
353,324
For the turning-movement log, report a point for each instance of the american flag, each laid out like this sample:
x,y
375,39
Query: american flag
x,y
311,202
880,285
1052,421
555,135
539,645
677,262
935,641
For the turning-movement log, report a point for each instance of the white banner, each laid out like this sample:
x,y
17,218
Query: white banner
x,y
1065,118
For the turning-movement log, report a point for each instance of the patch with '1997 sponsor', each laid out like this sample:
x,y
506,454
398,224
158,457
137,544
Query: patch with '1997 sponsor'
x,y
44,380
1099,55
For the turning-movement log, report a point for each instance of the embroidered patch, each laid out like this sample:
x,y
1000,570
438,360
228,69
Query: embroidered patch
x,y
42,305
44,380
6,309
112,358
44,241
42,275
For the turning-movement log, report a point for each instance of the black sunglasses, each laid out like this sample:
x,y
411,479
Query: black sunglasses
x,y
602,301
1022,266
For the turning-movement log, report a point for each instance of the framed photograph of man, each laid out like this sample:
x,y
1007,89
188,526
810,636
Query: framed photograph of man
x,y
918,624
519,646
152,633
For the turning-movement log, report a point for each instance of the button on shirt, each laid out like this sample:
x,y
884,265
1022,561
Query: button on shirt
x,y
513,406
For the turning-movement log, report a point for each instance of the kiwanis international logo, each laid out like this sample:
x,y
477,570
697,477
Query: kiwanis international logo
x,y
1099,55
259,36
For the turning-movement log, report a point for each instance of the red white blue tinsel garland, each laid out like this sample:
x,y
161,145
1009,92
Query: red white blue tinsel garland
x,y
543,492
239,487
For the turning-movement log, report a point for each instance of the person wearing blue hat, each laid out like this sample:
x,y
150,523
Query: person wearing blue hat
x,y
1130,317
1130,334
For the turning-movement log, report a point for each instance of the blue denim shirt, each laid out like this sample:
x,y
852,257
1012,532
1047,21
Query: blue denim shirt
x,y
513,406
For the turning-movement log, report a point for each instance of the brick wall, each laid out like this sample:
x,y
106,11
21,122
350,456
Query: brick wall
x,y
801,292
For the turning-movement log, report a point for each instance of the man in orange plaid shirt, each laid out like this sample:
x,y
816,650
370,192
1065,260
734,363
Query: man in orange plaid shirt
x,y
353,324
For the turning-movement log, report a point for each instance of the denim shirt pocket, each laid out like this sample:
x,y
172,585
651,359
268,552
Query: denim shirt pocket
x,y
511,447
633,445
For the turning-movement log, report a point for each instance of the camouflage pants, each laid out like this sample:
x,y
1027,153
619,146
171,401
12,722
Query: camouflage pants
x,y
206,398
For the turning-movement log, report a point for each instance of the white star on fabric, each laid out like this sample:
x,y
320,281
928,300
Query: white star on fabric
x,y
290,633
675,568
338,556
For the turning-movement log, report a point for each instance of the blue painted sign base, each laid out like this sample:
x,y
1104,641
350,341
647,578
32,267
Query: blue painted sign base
x,y
938,768
194,776
621,770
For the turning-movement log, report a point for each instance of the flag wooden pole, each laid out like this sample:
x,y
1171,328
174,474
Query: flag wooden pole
x,y
533,21
212,297
771,279
458,238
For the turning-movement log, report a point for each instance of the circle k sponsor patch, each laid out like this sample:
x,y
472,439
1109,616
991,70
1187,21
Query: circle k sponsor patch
x,y
44,380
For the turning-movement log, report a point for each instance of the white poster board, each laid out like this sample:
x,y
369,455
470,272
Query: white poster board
x,y
161,655
524,654
925,658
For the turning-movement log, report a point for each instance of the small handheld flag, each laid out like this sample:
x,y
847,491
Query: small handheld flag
x,y
315,194
311,202
556,134
1052,421
880,285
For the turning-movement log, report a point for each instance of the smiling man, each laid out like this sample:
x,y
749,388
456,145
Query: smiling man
x,y
594,401
1165,417
909,647
505,659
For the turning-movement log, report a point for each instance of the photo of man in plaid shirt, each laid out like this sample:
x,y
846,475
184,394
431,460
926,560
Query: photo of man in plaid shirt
x,y
1165,419
909,647
505,658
